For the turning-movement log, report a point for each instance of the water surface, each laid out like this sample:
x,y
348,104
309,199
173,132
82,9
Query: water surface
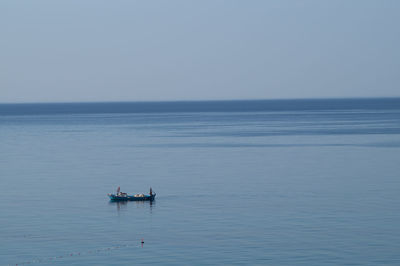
x,y
300,182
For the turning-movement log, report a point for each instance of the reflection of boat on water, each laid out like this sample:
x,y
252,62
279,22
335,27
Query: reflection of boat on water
x,y
120,196
123,205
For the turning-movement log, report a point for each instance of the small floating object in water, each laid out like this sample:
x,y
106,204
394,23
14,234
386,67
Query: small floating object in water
x,y
120,196
142,241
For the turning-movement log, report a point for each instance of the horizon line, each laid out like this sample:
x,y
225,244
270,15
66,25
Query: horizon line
x,y
204,100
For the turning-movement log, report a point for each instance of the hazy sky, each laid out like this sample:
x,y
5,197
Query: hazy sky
x,y
95,50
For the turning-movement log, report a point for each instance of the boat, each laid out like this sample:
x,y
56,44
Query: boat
x,y
121,196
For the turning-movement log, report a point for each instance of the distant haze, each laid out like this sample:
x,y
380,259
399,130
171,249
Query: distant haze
x,y
94,50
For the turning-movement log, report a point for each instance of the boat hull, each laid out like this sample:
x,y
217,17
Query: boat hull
x,y
131,198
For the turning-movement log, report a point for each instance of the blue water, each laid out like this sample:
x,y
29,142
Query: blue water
x,y
296,182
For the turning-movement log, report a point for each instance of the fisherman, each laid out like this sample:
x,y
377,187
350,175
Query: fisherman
x,y
151,192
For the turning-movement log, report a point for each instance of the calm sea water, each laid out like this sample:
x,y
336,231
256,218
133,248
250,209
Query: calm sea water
x,y
302,182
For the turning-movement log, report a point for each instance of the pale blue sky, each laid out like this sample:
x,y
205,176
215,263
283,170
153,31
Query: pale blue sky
x,y
96,50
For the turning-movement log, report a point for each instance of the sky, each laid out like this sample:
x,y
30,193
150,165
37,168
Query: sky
x,y
101,50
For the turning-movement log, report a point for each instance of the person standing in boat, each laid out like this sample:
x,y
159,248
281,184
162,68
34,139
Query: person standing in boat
x,y
151,192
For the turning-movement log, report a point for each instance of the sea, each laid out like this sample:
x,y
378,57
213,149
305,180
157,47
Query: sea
x,y
264,182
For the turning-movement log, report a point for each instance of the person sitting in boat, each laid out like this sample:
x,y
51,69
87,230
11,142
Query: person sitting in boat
x,y
122,194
